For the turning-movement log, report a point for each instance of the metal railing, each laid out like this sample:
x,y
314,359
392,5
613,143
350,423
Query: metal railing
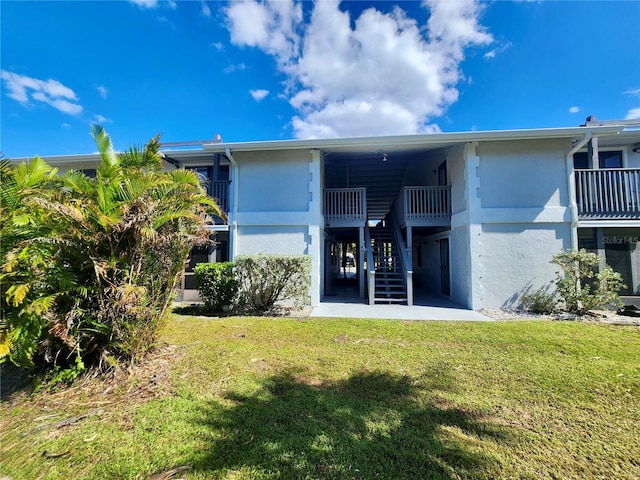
x,y
345,206
608,193
427,203
405,259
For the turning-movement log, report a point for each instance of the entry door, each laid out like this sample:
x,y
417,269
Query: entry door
x,y
445,279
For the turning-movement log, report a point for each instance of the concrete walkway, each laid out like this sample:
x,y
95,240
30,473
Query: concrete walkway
x,y
426,307
398,312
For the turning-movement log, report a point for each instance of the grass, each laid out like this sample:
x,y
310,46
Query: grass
x,y
274,398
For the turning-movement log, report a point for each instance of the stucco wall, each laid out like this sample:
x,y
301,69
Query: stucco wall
x,y
524,173
273,181
273,239
517,256
280,207
525,217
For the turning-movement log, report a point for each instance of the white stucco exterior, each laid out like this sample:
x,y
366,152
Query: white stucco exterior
x,y
512,202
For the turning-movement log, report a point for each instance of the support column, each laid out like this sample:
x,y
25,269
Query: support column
x,y
473,200
592,153
362,256
316,226
410,266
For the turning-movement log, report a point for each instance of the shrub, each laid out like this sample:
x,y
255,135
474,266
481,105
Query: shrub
x,y
581,286
88,265
265,279
216,284
541,301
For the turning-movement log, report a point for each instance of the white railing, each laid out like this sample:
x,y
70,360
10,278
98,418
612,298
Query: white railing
x,y
610,192
345,206
427,203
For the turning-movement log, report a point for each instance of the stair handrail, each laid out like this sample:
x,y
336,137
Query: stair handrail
x,y
405,258
371,268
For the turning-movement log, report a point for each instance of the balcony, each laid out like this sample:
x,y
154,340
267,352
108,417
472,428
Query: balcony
x,y
345,207
426,206
220,191
608,194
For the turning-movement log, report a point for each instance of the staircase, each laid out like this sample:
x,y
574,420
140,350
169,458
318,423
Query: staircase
x,y
390,281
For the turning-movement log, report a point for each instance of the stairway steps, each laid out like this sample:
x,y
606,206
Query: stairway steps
x,y
390,283
390,300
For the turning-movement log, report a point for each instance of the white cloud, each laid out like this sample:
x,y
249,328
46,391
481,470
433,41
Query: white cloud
x,y
145,3
574,109
205,10
377,74
633,114
270,26
232,68
259,95
102,90
633,91
153,4
23,88
497,51
100,119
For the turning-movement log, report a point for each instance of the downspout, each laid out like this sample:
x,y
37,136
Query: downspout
x,y
571,184
234,216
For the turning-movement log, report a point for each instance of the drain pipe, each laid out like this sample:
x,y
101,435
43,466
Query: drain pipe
x,y
571,184
234,221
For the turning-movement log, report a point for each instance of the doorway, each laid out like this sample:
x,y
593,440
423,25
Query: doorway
x,y
445,276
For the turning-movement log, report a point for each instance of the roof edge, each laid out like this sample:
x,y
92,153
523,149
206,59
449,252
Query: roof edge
x,y
416,139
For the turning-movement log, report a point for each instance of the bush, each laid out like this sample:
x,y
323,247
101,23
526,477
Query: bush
x,y
265,279
216,284
88,265
581,286
541,301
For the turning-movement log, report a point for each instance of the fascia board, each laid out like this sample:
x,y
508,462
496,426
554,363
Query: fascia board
x,y
62,160
409,141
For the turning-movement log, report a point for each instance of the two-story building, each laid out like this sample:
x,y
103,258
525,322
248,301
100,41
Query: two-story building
x,y
473,216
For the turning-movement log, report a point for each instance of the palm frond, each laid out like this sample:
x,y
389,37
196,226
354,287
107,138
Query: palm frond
x,y
29,174
105,146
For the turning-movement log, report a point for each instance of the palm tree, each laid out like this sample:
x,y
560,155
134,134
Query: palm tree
x,y
108,251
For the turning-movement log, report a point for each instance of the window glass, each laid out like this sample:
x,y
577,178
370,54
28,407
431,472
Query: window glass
x,y
610,159
606,160
580,160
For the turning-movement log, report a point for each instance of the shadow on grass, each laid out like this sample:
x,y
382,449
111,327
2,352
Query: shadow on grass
x,y
14,381
198,309
371,425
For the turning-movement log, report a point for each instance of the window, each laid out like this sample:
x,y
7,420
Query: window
x,y
611,159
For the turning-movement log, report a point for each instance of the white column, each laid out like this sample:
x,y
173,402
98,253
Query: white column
x,y
316,226
361,256
474,210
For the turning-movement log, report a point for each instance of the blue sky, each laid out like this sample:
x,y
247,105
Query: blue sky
x,y
284,69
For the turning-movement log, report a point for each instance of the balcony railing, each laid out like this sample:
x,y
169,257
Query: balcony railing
x,y
345,206
220,191
427,205
608,193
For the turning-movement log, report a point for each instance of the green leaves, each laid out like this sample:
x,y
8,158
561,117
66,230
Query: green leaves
x,y
582,285
89,264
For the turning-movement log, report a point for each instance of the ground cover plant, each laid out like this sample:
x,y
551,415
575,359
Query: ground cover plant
x,y
278,398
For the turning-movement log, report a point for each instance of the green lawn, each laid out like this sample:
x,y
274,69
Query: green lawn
x,y
258,398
